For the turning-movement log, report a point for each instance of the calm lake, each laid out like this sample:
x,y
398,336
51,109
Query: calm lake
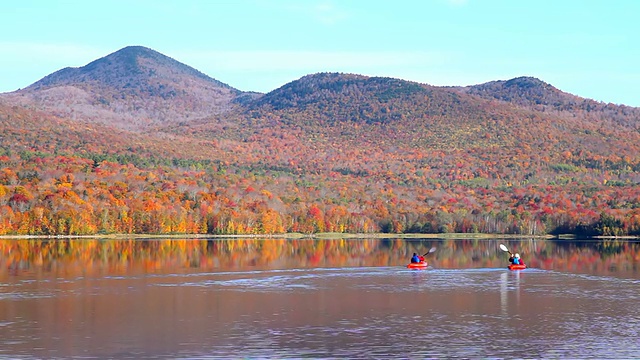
x,y
276,298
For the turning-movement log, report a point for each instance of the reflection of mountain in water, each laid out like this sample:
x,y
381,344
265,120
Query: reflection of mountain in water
x,y
170,255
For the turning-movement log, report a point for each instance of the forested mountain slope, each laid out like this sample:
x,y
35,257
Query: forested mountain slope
x,y
334,116
326,152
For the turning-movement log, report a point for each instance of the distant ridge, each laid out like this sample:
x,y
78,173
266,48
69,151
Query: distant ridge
x,y
140,89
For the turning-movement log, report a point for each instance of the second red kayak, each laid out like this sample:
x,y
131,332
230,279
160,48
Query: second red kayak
x,y
420,265
517,267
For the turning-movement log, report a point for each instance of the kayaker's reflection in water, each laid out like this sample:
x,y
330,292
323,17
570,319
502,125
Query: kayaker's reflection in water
x,y
416,258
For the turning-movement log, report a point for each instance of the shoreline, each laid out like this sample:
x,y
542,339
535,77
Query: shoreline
x,y
321,236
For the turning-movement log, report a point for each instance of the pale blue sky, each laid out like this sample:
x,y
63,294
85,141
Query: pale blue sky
x,y
587,48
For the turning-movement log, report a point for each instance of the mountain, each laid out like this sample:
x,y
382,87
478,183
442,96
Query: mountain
x,y
359,109
525,91
372,125
534,93
326,152
351,97
133,88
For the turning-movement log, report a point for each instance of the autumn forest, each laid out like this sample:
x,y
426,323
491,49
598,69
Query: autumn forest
x,y
138,143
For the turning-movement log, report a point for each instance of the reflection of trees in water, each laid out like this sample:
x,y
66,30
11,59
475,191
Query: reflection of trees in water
x,y
159,255
605,248
611,255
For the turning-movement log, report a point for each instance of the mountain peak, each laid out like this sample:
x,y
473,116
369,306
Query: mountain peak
x,y
137,49
522,83
136,86
330,86
523,90
129,56
131,64
526,82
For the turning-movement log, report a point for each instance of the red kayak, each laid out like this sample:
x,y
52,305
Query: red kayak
x,y
517,267
420,265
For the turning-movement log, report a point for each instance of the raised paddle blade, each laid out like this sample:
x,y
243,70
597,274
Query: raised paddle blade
x,y
433,249
504,248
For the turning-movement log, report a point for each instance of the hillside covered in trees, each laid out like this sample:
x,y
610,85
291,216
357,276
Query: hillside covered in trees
x,y
139,143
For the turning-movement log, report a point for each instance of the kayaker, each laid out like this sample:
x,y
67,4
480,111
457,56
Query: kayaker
x,y
516,260
415,259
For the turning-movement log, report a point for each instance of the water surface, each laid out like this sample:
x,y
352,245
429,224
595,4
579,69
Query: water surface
x,y
316,300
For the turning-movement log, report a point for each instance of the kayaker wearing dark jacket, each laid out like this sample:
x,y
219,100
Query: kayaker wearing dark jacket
x,y
415,259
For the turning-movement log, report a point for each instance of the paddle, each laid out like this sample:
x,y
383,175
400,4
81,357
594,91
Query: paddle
x,y
504,248
433,249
